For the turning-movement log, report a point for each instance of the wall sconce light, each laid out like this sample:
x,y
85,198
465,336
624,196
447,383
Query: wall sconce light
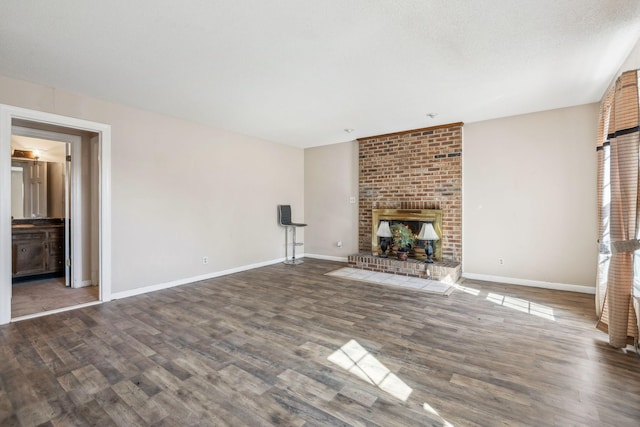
x,y
428,234
26,154
384,232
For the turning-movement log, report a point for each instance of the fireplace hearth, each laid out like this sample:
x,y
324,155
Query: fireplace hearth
x,y
445,271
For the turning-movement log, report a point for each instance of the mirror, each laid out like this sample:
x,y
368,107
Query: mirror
x,y
37,189
17,190
37,177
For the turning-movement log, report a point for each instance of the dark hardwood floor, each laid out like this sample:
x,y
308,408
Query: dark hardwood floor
x,y
287,345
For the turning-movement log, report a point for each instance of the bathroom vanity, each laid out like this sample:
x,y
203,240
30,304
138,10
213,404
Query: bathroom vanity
x,y
37,247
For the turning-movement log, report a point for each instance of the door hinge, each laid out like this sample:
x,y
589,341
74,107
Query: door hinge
x,y
68,262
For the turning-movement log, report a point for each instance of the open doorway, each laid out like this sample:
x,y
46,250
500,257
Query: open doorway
x,y
61,192
52,225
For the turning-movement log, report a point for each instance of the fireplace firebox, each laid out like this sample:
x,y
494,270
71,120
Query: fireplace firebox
x,y
414,218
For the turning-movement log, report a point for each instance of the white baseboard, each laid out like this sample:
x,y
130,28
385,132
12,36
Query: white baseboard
x,y
474,276
327,257
532,283
85,283
160,286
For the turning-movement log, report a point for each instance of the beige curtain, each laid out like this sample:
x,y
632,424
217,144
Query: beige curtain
x,y
618,156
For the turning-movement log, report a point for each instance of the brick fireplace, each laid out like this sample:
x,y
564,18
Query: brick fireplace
x,y
408,172
419,169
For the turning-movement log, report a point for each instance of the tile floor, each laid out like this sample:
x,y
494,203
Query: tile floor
x,y
47,294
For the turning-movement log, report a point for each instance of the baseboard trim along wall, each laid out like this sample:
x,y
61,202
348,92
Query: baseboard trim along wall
x,y
186,281
473,276
532,283
85,283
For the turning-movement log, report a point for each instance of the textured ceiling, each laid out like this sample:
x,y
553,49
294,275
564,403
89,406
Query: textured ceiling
x,y
299,72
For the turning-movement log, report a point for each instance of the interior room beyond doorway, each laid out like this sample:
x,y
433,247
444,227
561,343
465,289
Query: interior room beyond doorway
x,y
54,219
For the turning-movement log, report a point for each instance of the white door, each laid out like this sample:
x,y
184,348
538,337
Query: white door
x,y
68,276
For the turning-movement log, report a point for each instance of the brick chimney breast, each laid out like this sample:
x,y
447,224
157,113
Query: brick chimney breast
x,y
415,169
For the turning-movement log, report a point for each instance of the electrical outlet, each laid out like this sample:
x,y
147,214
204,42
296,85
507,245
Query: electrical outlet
x,y
205,260
501,261
352,199
339,244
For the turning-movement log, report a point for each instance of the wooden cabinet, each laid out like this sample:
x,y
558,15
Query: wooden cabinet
x,y
37,250
55,247
29,254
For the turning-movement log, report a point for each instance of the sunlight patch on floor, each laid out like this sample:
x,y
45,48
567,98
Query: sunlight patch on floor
x,y
474,292
522,305
432,411
357,360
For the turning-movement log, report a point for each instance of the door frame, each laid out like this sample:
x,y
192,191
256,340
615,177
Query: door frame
x,y
7,114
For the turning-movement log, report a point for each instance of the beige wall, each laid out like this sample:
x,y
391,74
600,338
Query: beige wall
x,y
331,178
529,196
181,191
